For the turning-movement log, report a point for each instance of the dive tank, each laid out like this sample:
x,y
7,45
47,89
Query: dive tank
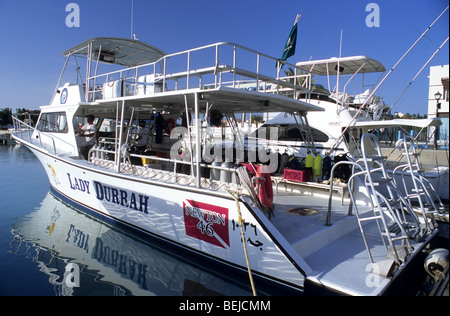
x,y
309,161
436,261
309,164
317,168
205,171
234,176
326,169
225,176
215,173
284,160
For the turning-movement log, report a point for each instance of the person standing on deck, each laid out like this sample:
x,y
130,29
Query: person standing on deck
x,y
142,137
87,136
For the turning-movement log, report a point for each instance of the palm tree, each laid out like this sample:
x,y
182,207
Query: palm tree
x,y
257,118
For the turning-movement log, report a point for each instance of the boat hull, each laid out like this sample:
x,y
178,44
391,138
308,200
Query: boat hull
x,y
205,223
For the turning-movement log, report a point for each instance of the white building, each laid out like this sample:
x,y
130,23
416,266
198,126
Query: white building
x,y
438,100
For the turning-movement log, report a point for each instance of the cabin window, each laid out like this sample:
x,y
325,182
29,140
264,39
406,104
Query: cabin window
x,y
293,132
53,122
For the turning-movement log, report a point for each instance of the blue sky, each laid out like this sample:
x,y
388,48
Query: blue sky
x,y
34,33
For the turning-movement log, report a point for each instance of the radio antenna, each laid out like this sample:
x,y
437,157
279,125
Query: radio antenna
x,y
132,35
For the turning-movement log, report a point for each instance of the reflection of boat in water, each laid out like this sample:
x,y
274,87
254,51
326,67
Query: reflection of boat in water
x,y
111,260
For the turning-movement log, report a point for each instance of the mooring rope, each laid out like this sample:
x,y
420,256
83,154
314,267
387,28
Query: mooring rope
x,y
240,221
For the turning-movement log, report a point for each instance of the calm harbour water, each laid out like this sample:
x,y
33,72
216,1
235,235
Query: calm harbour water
x,y
40,236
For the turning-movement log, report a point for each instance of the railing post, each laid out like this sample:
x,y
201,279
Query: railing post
x,y
198,141
234,66
188,68
216,72
257,72
164,73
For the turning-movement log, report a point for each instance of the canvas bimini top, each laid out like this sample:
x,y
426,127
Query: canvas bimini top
x,y
347,65
120,51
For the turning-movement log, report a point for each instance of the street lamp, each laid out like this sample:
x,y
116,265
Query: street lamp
x,y
437,97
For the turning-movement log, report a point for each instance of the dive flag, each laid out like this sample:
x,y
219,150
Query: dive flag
x,y
289,47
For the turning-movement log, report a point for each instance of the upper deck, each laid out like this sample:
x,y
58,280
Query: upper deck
x,y
144,72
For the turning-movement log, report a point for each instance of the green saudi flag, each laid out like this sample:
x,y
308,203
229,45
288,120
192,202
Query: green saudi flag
x,y
289,47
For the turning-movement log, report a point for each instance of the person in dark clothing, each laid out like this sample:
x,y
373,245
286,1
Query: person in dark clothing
x,y
159,127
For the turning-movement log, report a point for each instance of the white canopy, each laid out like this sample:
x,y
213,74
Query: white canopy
x,y
348,65
121,51
422,123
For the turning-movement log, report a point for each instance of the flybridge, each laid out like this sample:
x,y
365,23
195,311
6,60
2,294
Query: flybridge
x,y
148,71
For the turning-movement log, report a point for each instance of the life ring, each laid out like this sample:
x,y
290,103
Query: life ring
x,y
170,124
263,184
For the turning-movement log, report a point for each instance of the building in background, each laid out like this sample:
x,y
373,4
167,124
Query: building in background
x,y
438,101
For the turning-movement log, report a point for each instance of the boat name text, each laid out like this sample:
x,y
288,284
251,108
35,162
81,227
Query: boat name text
x,y
132,200
78,184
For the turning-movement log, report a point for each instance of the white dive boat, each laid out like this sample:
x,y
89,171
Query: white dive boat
x,y
368,244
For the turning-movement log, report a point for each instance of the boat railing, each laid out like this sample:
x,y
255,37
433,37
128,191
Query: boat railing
x,y
422,190
47,141
99,156
206,67
355,166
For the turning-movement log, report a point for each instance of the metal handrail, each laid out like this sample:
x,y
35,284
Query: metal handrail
x,y
213,68
350,187
94,150
20,126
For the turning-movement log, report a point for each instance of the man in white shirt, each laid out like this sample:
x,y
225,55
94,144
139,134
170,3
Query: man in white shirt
x,y
87,136
142,137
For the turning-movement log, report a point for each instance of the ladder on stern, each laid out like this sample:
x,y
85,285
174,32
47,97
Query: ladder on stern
x,y
421,192
396,220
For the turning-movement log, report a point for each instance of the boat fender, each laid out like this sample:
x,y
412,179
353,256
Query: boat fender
x,y
436,262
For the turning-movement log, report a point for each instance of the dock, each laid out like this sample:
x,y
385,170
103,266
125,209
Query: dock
x,y
5,138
